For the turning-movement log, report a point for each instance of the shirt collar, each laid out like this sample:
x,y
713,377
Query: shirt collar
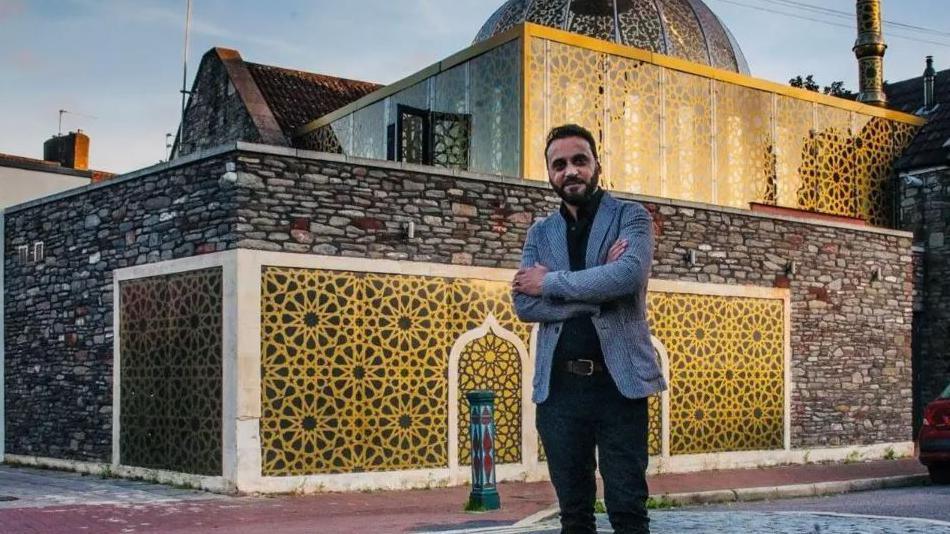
x,y
585,211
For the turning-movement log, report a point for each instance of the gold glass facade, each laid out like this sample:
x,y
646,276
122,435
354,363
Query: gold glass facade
x,y
679,130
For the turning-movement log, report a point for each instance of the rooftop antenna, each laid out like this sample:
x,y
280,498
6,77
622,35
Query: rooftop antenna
x,y
64,112
184,78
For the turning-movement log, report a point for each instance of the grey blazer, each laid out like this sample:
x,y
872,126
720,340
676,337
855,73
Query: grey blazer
x,y
613,294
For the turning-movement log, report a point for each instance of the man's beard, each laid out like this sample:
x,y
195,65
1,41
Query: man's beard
x,y
580,198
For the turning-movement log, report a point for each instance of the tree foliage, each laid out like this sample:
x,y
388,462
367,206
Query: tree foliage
x,y
808,82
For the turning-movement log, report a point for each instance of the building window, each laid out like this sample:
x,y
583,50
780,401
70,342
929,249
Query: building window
x,y
39,251
431,138
23,254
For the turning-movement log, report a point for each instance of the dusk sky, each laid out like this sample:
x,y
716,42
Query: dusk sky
x,y
118,62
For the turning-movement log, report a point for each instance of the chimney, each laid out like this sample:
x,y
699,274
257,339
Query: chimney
x,y
869,49
930,76
70,150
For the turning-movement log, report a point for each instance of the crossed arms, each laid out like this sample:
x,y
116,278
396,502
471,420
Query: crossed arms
x,y
541,295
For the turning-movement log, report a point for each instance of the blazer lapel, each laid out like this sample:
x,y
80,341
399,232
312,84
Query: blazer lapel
x,y
598,232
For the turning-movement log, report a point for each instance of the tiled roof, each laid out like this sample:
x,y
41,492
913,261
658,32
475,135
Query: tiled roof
x,y
296,97
41,165
931,147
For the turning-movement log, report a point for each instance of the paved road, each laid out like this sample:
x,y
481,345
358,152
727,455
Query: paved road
x,y
928,502
916,510
705,522
36,488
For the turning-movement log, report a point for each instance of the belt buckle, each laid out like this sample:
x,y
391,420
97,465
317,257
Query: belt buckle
x,y
590,367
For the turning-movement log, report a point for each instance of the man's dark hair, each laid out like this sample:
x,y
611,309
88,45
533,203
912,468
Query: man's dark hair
x,y
571,130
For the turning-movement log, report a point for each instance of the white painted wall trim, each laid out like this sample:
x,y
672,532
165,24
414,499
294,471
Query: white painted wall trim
x,y
226,261
753,459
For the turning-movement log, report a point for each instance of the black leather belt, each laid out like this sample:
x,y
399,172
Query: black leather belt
x,y
582,367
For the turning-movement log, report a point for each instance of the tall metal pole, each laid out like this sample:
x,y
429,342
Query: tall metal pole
x,y
184,78
869,49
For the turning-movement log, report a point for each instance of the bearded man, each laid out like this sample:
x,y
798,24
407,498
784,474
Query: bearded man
x,y
583,277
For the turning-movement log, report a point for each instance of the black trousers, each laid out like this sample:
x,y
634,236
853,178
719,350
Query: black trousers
x,y
584,414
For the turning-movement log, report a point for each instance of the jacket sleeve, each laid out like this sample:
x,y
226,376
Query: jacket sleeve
x,y
608,282
542,309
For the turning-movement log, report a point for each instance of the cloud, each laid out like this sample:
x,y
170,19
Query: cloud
x,y
10,9
153,13
25,60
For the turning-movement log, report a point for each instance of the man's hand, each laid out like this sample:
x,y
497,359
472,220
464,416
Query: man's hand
x,y
616,250
529,280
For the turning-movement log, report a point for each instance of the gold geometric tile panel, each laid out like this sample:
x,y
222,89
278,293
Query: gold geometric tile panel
x,y
655,435
493,363
727,363
170,335
354,366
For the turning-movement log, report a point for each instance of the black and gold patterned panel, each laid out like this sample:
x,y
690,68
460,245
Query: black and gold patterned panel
x,y
323,139
684,34
727,371
683,28
354,366
722,53
655,436
593,19
493,363
171,373
451,140
640,25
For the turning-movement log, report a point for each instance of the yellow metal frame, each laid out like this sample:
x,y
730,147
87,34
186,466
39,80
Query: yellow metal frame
x,y
543,32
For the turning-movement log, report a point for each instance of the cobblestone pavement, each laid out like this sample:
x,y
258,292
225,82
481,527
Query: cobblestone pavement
x,y
675,522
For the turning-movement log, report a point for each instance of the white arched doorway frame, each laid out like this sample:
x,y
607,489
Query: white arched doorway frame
x,y
490,326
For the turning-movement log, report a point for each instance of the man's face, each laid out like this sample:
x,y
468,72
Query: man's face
x,y
572,170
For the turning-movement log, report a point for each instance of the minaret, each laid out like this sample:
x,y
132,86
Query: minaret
x,y
870,48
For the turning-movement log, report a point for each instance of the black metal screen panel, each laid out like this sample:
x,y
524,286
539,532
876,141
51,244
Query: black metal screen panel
x,y
412,128
170,372
451,140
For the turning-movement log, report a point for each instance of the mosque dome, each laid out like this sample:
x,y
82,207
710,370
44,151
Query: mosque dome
x,y
686,29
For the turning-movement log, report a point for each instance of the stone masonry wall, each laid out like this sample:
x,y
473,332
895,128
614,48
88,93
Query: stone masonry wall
x,y
58,312
925,210
215,115
850,332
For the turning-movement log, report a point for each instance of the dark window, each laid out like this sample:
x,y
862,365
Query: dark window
x,y
23,254
412,139
430,138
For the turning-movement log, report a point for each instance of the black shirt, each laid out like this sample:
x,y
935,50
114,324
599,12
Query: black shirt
x,y
579,338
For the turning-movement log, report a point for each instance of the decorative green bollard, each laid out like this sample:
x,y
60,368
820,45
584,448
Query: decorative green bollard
x,y
484,494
